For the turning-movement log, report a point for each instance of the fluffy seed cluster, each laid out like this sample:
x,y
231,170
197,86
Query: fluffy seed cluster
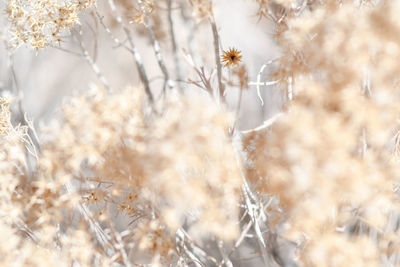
x,y
330,159
155,12
201,8
164,170
40,23
118,181
30,210
12,160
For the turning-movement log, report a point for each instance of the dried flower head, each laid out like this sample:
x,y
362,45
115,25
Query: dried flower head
x,y
231,57
135,13
40,23
201,8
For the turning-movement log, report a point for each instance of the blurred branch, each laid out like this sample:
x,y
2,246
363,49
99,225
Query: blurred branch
x,y
135,53
254,209
225,257
156,47
94,225
220,93
265,125
238,106
195,253
259,83
92,64
205,81
173,42
112,36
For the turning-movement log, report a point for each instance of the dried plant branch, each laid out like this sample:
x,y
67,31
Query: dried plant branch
x,y
135,53
156,47
120,246
206,83
22,116
254,212
101,236
315,185
173,43
241,237
259,83
191,29
225,258
253,209
195,253
220,92
265,124
238,106
112,36
92,64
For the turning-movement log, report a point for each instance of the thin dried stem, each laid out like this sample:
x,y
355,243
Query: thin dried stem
x,y
135,53
225,257
92,64
156,47
112,36
253,208
259,83
220,92
195,253
120,245
94,225
173,42
265,124
238,106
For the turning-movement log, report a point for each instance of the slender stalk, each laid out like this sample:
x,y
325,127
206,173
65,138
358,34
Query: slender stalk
x,y
191,29
101,236
173,42
156,47
112,36
265,125
238,106
135,53
220,92
253,208
92,64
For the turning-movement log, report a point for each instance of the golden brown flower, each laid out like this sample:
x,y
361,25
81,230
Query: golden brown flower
x,y
231,57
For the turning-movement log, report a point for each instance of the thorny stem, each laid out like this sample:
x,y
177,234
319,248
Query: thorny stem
x,y
135,53
220,92
156,48
173,42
